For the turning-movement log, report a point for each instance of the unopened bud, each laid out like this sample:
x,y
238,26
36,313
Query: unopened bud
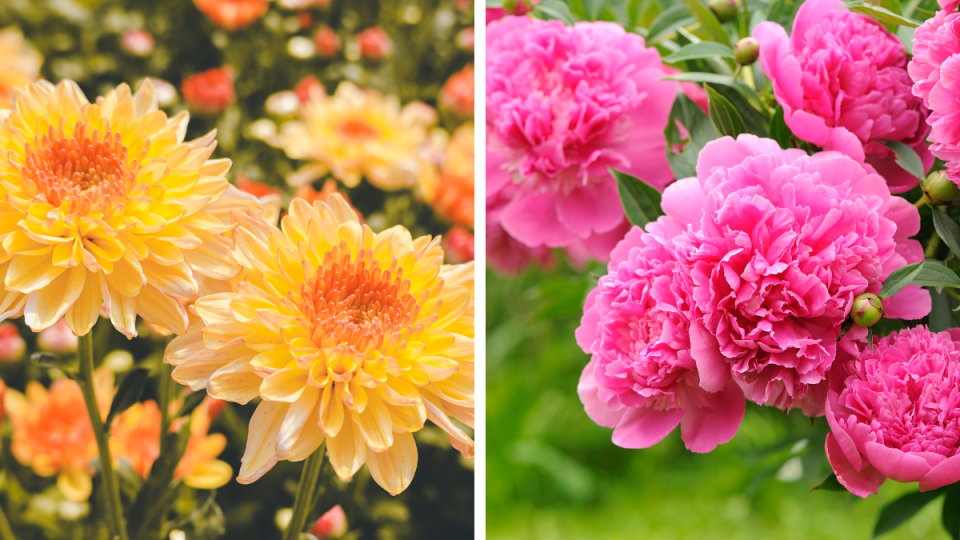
x,y
867,310
940,189
747,51
725,10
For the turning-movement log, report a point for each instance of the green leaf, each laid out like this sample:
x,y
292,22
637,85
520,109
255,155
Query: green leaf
x,y
129,392
899,279
714,78
494,3
641,201
704,49
701,131
779,130
950,516
708,22
936,275
947,230
554,9
830,483
906,157
723,115
899,511
667,23
191,402
881,14
783,11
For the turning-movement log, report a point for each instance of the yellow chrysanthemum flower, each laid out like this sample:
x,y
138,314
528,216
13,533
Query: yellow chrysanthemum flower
x,y
358,133
349,336
105,203
19,64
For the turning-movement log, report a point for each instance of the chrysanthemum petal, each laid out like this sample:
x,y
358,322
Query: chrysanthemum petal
x,y
46,306
261,454
394,468
346,450
303,411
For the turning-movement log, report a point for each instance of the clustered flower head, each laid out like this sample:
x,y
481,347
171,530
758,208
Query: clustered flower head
x,y
936,54
104,204
894,412
841,81
349,337
358,133
741,289
563,105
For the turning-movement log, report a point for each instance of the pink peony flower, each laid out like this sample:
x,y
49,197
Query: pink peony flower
x,y
641,379
563,105
332,524
374,44
780,243
209,92
894,412
12,345
506,254
935,70
841,79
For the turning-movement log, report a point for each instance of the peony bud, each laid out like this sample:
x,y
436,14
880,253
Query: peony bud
x,y
456,96
374,44
725,10
210,92
12,345
747,51
333,524
940,189
867,310
327,42
137,42
307,88
57,339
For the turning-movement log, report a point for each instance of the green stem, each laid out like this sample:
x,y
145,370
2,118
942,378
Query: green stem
x,y
164,395
923,200
305,492
932,246
109,481
6,533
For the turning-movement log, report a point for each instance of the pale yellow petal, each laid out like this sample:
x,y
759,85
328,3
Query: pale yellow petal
x,y
394,468
346,450
261,453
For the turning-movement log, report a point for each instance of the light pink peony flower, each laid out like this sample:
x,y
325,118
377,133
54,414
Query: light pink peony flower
x,y
935,70
563,105
842,81
895,412
779,245
641,379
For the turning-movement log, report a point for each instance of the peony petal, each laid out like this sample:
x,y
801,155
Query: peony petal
x,y
896,464
861,483
645,427
711,364
712,418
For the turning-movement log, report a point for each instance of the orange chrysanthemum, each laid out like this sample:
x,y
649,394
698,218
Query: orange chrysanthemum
x,y
52,432
104,203
351,337
135,437
451,194
19,64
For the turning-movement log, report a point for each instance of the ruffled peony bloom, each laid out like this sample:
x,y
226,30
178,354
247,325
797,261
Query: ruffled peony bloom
x,y
842,81
357,133
642,380
348,336
104,204
52,432
374,44
19,64
506,254
780,243
451,194
135,438
209,92
563,105
232,14
936,56
894,412
456,95
12,345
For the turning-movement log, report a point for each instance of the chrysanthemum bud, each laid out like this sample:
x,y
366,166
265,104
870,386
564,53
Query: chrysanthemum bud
x,y
747,51
867,310
725,10
940,189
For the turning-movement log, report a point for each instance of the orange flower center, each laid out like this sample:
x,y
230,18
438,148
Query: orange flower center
x,y
357,304
356,128
82,169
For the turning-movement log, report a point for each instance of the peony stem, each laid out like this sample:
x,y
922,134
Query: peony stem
x,y
305,491
6,533
932,246
109,481
921,202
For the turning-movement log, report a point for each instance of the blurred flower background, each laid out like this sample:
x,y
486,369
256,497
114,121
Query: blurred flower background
x,y
367,98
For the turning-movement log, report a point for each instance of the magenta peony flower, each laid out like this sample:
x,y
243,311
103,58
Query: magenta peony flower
x,y
506,254
779,245
842,81
563,105
895,412
641,379
935,70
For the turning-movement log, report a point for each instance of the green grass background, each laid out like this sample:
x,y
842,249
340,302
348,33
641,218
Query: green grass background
x,y
554,474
